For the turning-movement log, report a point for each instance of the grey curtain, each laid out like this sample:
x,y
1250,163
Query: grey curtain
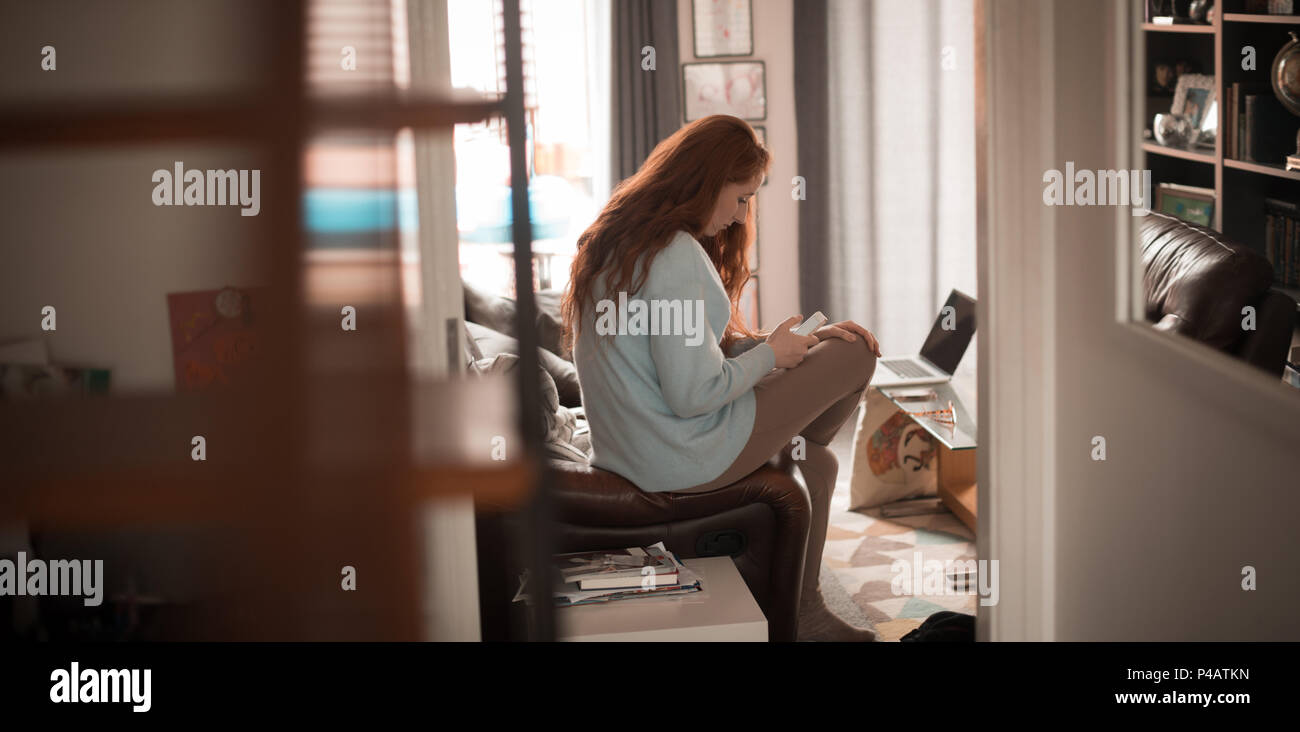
x,y
646,103
812,117
884,95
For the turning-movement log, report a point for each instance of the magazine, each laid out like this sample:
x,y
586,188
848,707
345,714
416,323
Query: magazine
x,y
568,594
621,568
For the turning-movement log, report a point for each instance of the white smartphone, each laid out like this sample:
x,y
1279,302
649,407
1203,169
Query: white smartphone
x,y
807,327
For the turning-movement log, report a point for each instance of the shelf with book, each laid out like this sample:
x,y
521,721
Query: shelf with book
x,y
1272,169
1282,241
1247,168
1249,198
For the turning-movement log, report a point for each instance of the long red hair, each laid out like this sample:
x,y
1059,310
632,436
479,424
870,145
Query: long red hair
x,y
676,189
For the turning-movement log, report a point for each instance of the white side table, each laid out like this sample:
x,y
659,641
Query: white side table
x,y
723,611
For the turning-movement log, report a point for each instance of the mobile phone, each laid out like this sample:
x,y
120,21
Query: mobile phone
x,y
807,327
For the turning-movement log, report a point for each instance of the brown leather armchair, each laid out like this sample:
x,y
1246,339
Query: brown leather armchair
x,y
1197,281
761,521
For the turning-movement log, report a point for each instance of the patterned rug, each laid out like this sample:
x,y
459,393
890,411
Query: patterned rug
x,y
861,546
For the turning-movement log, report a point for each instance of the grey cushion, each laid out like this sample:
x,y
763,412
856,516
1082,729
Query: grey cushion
x,y
491,342
472,352
498,313
563,430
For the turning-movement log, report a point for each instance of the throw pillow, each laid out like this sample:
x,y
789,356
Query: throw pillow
x,y
893,456
498,313
490,342
472,352
563,431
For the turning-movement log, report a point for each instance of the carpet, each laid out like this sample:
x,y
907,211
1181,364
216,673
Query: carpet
x,y
861,546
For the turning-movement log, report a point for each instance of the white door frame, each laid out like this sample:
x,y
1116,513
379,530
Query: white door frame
x,y
1015,126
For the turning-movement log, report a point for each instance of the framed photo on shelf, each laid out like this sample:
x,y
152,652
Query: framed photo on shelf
x,y
1194,99
723,28
736,88
1191,204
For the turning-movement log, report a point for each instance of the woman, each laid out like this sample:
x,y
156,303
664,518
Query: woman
x,y
680,394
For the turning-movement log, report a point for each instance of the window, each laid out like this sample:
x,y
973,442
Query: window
x,y
566,123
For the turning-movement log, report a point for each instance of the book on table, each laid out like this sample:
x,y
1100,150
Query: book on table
x,y
618,568
585,578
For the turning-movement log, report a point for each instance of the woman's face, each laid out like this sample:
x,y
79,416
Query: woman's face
x,y
732,205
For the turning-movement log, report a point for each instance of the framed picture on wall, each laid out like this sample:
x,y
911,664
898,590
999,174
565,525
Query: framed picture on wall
x,y
736,88
723,28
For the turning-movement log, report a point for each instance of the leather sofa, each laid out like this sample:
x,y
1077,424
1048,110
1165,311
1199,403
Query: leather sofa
x,y
1196,282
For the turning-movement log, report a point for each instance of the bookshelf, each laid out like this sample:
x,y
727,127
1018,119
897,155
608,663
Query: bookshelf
x,y
1240,186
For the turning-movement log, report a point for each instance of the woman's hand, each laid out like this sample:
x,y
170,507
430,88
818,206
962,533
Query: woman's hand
x,y
849,331
790,348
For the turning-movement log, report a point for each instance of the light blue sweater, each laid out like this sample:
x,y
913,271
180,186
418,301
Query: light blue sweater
x,y
667,411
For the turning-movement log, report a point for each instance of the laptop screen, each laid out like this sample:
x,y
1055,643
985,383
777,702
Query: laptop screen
x,y
944,347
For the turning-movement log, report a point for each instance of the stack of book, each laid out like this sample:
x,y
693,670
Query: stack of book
x,y
1282,240
585,578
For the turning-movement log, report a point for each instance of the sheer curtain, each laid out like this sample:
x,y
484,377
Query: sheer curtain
x,y
886,115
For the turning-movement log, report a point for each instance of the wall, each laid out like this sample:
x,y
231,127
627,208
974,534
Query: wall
x,y
103,255
778,225
1201,469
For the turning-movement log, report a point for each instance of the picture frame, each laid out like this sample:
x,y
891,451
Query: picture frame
x,y
1193,205
1194,97
722,28
737,88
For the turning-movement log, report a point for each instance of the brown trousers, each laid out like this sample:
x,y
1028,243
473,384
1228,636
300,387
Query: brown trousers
x,y
813,399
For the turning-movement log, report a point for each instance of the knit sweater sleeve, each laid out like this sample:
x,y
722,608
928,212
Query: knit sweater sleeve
x,y
694,375
740,345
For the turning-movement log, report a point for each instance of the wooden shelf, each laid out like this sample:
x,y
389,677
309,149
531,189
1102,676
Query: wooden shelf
x,y
1180,28
1277,171
1174,152
1258,18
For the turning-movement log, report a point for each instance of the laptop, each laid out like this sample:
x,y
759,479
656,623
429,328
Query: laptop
x,y
941,353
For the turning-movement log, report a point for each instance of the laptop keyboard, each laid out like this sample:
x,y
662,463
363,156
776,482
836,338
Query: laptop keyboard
x,y
906,368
